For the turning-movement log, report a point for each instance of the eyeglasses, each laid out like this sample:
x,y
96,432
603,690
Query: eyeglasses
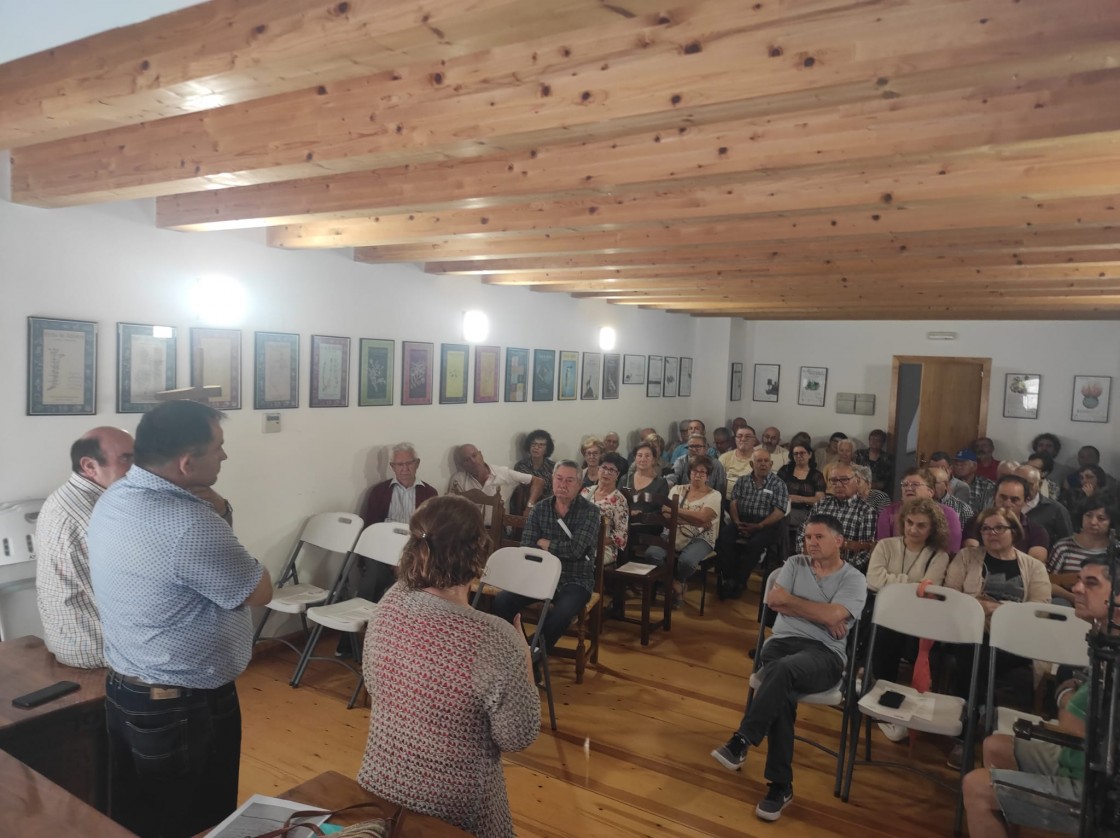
x,y
696,448
998,529
608,470
840,479
702,472
538,443
405,464
801,453
912,485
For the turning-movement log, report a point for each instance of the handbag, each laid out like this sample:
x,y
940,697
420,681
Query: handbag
x,y
386,826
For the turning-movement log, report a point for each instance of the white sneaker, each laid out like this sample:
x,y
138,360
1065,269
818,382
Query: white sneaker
x,y
895,733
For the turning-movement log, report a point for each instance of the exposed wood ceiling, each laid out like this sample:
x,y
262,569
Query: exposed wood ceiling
x,y
805,159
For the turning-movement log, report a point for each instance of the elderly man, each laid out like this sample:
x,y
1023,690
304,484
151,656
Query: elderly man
x,y
957,488
986,464
981,490
475,473
941,482
566,525
1011,493
695,428
772,442
856,517
697,445
722,440
1047,513
737,462
740,422
1027,770
876,499
816,597
918,483
174,587
71,626
758,506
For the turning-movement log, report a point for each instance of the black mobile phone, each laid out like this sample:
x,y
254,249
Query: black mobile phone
x,y
46,694
892,699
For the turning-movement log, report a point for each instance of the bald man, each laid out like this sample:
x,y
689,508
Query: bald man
x,y
71,624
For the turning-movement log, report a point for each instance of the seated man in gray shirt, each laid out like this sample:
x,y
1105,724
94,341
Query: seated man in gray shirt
x,y
816,596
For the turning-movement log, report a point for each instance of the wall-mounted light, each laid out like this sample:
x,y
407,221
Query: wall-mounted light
x,y
941,335
476,326
607,338
218,300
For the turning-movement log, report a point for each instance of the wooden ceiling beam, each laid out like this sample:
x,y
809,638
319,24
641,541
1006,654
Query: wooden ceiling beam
x,y
833,58
906,313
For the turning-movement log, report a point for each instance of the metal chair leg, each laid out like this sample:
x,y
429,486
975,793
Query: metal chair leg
x,y
305,656
548,688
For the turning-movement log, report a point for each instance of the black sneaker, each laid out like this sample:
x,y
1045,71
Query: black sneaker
x,y
770,807
732,755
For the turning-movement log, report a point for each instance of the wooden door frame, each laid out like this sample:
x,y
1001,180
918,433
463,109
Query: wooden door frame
x,y
898,360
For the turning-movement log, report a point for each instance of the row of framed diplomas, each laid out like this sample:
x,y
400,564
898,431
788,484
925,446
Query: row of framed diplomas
x,y
62,366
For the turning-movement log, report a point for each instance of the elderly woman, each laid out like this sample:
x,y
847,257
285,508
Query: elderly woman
x,y
1091,540
440,720
826,453
879,461
846,452
697,523
592,450
537,462
605,495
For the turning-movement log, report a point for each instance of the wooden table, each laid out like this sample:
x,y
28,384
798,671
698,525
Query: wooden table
x,y
331,790
64,740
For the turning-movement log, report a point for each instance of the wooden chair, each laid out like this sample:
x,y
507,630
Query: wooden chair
x,y
617,578
493,513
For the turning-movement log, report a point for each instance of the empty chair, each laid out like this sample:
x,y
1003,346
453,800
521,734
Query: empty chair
x,y
641,539
530,573
335,532
381,542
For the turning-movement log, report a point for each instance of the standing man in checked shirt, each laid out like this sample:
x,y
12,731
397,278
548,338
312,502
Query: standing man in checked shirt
x,y
68,612
758,508
855,515
174,587
567,526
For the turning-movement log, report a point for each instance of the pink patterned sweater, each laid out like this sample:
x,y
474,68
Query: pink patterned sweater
x,y
449,692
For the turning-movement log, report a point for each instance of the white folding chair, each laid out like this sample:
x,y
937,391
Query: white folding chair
x,y
1049,633
381,542
19,612
835,697
530,573
334,532
944,615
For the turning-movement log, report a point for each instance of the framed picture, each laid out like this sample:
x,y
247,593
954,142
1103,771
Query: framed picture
x,y
517,375
654,370
811,389
1091,395
612,368
145,365
61,367
1020,395
590,377
487,360
216,361
544,374
454,365
685,386
417,360
376,366
569,376
275,370
672,373
330,371
766,378
736,381
634,369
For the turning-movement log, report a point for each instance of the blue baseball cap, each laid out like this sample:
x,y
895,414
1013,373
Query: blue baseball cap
x,y
966,454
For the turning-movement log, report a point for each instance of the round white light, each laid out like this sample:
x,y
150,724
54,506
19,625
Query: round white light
x,y
476,326
218,300
607,338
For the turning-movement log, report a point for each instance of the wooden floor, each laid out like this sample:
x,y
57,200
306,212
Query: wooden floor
x,y
631,756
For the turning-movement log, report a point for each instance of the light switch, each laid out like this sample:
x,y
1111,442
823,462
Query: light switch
x,y
272,423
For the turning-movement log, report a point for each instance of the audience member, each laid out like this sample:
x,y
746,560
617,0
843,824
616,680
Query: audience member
x,y
981,490
1048,514
857,519
772,442
873,497
592,450
957,488
1045,465
686,427
803,482
173,587
758,509
816,596
1048,445
537,462
698,521
737,462
695,428
722,440
567,526
986,464
612,503
918,483
1011,494
610,446
1087,456
941,483
845,452
1006,467
879,461
1092,483
717,479
439,721
64,594
1092,539
475,473
825,454
643,435
739,422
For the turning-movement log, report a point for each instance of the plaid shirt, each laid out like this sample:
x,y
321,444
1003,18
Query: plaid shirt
x,y
576,552
980,493
754,503
856,517
963,510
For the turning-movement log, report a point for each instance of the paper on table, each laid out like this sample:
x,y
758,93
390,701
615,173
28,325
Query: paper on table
x,y
260,814
638,568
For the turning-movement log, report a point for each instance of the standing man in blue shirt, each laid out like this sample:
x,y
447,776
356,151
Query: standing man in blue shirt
x,y
173,586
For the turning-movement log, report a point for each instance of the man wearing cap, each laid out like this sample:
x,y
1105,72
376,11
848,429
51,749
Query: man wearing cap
x,y
981,490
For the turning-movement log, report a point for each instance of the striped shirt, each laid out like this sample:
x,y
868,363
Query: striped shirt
x,y
71,625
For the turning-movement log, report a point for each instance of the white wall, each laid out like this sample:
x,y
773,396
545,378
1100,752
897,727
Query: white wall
x,y
858,356
110,264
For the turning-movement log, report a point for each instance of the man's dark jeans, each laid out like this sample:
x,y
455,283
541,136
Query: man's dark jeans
x,y
567,602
